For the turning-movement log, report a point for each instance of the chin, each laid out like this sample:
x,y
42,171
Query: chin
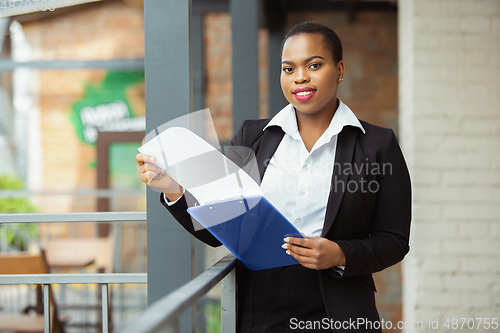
x,y
305,110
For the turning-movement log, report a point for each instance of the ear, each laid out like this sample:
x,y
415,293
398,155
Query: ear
x,y
340,70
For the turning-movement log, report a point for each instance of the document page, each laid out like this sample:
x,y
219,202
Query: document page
x,y
199,167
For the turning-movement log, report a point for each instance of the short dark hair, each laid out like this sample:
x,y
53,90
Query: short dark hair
x,y
330,39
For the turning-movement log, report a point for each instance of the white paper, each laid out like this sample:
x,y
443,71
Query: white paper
x,y
199,167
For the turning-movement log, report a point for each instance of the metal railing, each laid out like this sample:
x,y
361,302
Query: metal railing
x,y
74,217
163,316
79,217
47,279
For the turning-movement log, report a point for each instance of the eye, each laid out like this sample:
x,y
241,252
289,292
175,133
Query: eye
x,y
315,65
287,69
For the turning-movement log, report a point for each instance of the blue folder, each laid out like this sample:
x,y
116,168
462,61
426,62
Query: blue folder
x,y
251,228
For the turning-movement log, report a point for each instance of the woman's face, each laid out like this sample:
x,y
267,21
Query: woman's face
x,y
309,74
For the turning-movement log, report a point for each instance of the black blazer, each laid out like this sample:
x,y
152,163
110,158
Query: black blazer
x,y
368,212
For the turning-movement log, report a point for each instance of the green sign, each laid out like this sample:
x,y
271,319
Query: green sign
x,y
105,107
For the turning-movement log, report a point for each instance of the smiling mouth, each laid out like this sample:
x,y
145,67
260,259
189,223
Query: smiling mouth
x,y
304,95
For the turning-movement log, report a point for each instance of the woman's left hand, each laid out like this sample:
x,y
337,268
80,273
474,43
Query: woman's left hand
x,y
315,252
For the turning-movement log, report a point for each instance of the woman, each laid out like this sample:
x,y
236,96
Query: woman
x,y
342,182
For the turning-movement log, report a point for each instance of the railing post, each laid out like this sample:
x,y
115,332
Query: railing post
x,y
46,307
104,298
228,303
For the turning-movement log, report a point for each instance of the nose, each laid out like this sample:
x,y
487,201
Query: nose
x,y
301,76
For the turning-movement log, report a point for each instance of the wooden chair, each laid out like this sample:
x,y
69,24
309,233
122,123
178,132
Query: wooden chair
x,y
23,263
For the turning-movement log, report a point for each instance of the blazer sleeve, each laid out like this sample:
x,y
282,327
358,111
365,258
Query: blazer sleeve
x,y
179,212
388,241
179,209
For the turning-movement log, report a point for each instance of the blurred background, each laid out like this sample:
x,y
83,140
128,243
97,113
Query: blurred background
x,y
72,115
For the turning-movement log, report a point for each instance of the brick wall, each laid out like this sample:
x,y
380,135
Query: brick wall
x,y
370,86
218,73
109,31
218,84
450,128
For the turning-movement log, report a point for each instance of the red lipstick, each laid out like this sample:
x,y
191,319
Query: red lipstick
x,y
304,94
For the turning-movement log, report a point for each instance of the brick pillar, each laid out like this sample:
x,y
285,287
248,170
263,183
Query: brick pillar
x,y
449,86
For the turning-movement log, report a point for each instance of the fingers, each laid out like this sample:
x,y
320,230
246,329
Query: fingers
x,y
152,175
297,249
142,158
150,167
148,176
304,259
147,170
312,252
305,242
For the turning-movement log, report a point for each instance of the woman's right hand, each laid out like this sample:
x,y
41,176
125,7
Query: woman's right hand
x,y
151,175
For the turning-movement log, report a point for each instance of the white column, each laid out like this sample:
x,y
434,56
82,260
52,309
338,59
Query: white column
x,y
449,86
6,151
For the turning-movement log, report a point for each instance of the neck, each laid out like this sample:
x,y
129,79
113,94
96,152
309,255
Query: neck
x,y
311,127
317,122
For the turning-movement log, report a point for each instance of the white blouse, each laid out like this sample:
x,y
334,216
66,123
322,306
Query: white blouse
x,y
297,182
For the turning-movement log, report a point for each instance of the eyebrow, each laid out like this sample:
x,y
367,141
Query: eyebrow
x,y
307,60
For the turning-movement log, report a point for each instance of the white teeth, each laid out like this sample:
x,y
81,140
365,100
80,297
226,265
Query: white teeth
x,y
304,93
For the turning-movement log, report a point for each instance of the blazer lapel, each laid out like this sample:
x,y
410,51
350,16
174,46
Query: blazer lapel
x,y
343,159
272,137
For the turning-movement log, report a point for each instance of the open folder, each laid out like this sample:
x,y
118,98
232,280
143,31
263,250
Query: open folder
x,y
254,235
232,206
